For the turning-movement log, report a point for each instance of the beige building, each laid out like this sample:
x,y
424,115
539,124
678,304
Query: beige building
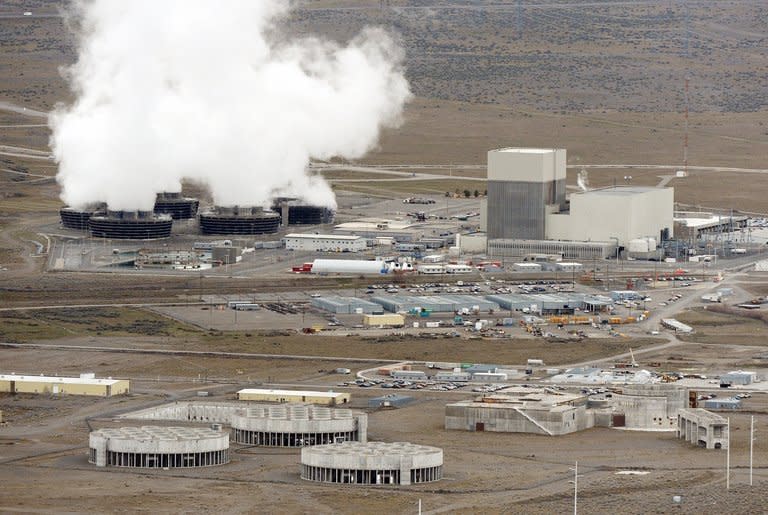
x,y
86,384
383,320
310,397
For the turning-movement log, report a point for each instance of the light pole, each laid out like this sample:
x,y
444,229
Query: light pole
x,y
751,444
575,482
728,458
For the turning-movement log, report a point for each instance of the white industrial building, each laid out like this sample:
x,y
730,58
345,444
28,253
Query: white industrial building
x,y
324,242
297,425
372,463
527,210
621,213
158,447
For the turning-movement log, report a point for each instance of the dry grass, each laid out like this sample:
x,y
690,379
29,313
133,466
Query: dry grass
x,y
726,326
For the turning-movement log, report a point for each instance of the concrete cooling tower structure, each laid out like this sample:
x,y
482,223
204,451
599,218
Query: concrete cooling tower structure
x,y
130,225
294,212
372,463
239,220
172,203
297,425
72,218
158,447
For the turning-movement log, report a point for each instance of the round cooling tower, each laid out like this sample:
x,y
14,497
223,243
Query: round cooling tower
x,y
294,212
72,218
172,203
158,447
130,225
372,463
239,220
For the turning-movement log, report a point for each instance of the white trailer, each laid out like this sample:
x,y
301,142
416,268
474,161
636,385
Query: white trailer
x,y
349,266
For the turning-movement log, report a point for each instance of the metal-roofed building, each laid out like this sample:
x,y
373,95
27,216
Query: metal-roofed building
x,y
435,303
324,242
347,305
723,404
558,303
312,397
86,384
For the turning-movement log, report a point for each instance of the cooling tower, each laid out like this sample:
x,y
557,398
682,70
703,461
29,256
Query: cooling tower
x,y
172,203
130,225
301,214
72,218
239,220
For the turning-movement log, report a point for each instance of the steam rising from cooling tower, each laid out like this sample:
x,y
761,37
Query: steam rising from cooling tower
x,y
210,91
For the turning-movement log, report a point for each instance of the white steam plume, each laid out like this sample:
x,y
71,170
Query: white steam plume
x,y
202,89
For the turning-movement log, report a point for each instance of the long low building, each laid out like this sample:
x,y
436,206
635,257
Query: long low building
x,y
86,384
310,397
551,303
347,305
435,303
324,242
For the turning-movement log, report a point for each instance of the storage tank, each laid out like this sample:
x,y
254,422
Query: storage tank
x,y
651,244
349,266
639,245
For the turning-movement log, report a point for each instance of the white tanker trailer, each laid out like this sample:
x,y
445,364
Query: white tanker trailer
x,y
356,266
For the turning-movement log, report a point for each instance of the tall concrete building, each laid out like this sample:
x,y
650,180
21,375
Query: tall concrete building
x,y
524,185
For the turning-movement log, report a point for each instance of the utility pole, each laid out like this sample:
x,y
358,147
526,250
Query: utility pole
x,y
751,445
728,458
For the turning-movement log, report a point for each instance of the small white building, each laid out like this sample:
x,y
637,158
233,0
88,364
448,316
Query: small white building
x,y
324,242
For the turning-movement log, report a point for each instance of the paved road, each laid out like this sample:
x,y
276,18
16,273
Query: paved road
x,y
205,354
26,111
394,169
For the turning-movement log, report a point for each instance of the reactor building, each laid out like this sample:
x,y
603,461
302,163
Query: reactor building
x,y
527,212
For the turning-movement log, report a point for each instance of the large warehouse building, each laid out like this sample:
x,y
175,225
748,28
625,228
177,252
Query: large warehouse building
x,y
311,397
527,213
86,384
